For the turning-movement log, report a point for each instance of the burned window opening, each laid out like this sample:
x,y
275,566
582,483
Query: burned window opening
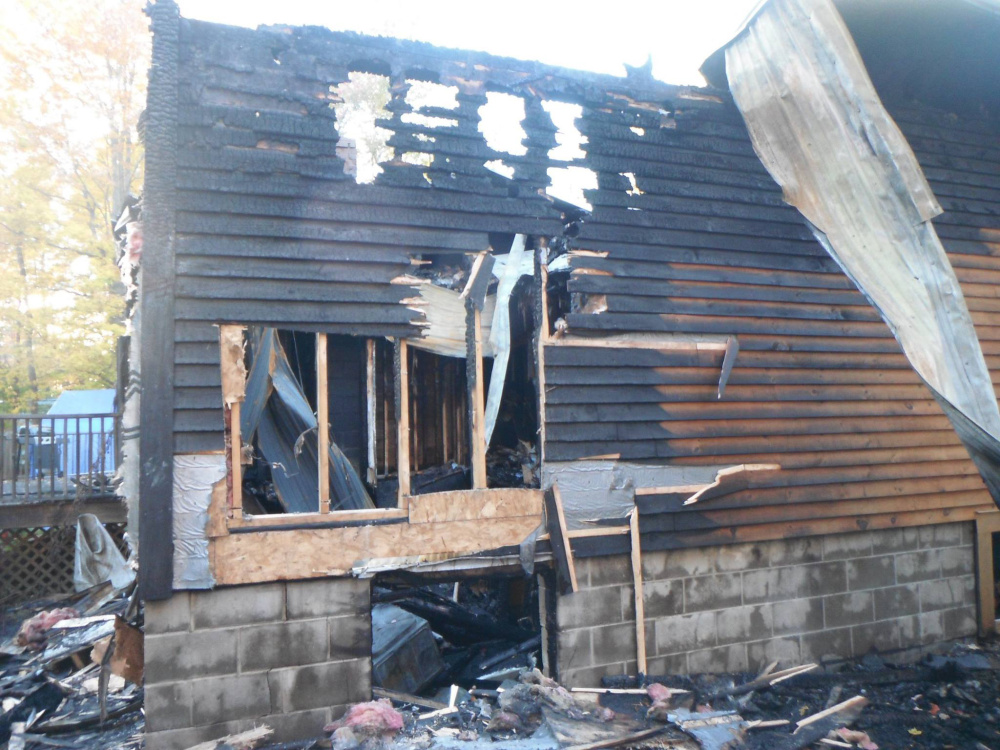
x,y
634,188
557,296
508,432
428,94
498,167
291,396
569,183
568,136
512,453
426,101
439,436
428,635
360,103
500,122
418,158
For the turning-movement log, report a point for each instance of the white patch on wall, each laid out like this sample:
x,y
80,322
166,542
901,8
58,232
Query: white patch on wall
x,y
194,477
596,489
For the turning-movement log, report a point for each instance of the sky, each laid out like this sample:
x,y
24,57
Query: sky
x,y
581,34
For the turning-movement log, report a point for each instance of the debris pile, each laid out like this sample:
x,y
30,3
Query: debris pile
x,y
71,672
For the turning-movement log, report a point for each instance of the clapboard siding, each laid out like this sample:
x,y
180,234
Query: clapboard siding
x,y
819,386
271,231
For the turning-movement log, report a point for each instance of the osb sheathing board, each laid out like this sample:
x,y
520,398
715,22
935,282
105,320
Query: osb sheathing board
x,y
440,525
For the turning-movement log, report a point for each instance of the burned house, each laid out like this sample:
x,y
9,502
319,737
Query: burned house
x,y
718,401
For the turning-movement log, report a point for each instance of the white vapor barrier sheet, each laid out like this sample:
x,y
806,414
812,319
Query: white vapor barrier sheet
x,y
819,127
194,476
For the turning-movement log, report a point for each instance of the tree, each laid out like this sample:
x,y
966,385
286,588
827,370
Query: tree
x,y
72,86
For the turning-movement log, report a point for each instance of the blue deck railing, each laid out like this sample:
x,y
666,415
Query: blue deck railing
x,y
66,456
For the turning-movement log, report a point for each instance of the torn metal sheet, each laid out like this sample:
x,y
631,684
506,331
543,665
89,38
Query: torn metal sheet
x,y
516,264
819,127
279,413
194,476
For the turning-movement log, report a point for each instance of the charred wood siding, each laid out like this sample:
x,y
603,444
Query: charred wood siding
x,y
695,239
819,387
271,231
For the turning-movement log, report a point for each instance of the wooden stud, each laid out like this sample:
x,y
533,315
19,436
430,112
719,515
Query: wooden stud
x,y
233,375
403,425
987,524
236,458
372,473
478,408
856,703
323,422
304,519
640,610
555,523
543,338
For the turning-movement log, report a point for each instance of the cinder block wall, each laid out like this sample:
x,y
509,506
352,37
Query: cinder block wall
x,y
290,655
739,607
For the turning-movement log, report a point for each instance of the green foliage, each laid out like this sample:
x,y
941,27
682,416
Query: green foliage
x,y
72,85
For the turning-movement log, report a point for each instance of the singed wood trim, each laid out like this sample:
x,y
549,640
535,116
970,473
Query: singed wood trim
x,y
236,458
987,524
640,610
478,406
323,422
640,341
232,372
403,425
370,402
295,519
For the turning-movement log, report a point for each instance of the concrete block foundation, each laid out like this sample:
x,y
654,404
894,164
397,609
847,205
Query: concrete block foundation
x,y
291,655
739,607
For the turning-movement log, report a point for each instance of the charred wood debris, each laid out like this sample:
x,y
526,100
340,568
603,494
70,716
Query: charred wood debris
x,y
456,666
71,671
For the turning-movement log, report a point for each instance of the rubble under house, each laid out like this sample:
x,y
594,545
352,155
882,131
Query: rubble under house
x,y
689,393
